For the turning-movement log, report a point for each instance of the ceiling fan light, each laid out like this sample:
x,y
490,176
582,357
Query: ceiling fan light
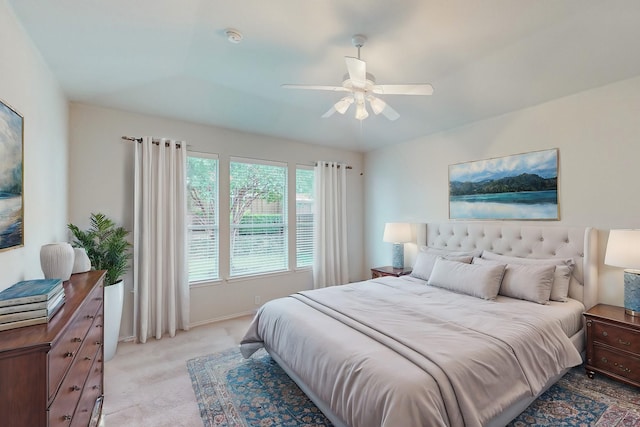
x,y
377,104
361,111
343,105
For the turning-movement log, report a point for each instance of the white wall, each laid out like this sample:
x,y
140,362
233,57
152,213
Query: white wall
x,y
27,85
597,133
101,180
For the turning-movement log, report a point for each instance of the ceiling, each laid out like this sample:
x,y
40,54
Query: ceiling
x,y
484,58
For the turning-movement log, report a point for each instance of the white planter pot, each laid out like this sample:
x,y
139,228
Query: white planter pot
x,y
113,300
56,260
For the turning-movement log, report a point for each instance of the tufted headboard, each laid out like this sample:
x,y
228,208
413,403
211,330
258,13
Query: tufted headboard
x,y
528,241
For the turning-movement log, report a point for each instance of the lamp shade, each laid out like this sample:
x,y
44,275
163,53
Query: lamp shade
x,y
623,249
397,232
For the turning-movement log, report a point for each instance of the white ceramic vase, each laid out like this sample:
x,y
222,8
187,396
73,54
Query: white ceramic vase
x,y
113,300
56,260
81,261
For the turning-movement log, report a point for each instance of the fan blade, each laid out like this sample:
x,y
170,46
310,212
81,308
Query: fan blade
x,y
315,87
357,69
417,89
379,106
329,113
390,113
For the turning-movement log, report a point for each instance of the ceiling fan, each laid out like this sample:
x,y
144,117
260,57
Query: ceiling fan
x,y
362,87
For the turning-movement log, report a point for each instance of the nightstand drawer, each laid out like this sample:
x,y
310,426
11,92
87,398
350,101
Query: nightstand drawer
x,y
617,337
617,364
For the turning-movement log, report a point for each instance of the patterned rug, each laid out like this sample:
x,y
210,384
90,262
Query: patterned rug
x,y
234,392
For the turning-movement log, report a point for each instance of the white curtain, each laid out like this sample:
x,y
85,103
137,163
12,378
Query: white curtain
x,y
330,265
161,285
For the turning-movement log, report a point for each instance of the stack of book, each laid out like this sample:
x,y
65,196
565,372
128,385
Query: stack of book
x,y
30,302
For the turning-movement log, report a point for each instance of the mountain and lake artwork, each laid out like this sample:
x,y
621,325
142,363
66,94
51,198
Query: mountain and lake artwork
x,y
11,206
521,186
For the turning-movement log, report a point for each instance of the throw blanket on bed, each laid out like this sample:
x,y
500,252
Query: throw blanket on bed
x,y
390,352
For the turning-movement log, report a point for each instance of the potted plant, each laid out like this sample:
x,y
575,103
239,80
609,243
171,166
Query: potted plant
x,y
108,249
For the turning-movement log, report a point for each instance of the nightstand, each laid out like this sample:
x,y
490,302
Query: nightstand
x,y
389,271
613,344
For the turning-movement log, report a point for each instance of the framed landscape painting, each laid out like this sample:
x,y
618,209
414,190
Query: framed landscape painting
x,y
11,179
518,187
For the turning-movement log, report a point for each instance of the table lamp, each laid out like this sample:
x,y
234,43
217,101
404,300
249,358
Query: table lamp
x,y
397,233
623,250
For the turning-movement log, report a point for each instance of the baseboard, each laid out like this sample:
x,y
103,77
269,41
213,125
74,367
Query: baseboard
x,y
222,318
204,322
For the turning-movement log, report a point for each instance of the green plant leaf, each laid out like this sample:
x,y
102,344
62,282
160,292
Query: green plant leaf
x,y
106,245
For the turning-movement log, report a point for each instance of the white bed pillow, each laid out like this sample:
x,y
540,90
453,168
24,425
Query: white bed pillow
x,y
425,261
482,281
562,274
530,282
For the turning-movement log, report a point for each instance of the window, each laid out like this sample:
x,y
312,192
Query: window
x,y
304,216
258,205
202,217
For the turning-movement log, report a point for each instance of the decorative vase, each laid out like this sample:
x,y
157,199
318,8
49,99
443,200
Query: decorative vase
x,y
81,261
56,260
113,300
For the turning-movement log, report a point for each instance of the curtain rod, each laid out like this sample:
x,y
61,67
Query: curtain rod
x,y
155,141
346,167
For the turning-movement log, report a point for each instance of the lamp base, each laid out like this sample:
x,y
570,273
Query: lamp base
x,y
632,292
398,255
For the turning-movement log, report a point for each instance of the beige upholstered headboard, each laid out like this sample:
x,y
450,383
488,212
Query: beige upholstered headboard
x,y
528,241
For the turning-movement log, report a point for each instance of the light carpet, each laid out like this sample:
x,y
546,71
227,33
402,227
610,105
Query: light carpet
x,y
234,392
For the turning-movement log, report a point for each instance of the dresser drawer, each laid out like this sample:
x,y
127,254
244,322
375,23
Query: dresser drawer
x,y
91,392
66,401
617,337
65,349
618,364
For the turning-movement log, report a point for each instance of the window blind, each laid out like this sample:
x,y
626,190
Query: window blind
x,y
202,217
258,210
304,216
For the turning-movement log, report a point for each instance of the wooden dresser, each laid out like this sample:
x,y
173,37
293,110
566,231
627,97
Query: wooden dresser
x,y
613,344
51,375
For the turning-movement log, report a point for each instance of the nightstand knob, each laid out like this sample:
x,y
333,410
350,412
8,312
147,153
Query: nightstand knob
x,y
604,360
605,334
624,342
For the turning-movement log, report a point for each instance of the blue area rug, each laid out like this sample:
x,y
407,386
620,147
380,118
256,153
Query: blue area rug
x,y
234,392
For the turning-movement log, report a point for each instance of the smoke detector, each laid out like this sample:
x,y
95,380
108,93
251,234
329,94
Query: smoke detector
x,y
234,36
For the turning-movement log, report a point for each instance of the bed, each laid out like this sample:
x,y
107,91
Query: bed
x,y
439,350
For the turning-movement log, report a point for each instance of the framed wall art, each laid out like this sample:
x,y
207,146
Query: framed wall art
x,y
11,178
517,187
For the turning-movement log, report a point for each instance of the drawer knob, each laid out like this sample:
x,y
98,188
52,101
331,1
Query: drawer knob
x,y
604,359
98,343
622,368
623,342
75,388
68,354
605,334
66,417
89,316
87,358
98,326
76,339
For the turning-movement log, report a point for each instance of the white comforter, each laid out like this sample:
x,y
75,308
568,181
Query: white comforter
x,y
391,352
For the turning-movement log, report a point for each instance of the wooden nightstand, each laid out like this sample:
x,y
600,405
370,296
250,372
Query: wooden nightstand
x,y
613,344
389,271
